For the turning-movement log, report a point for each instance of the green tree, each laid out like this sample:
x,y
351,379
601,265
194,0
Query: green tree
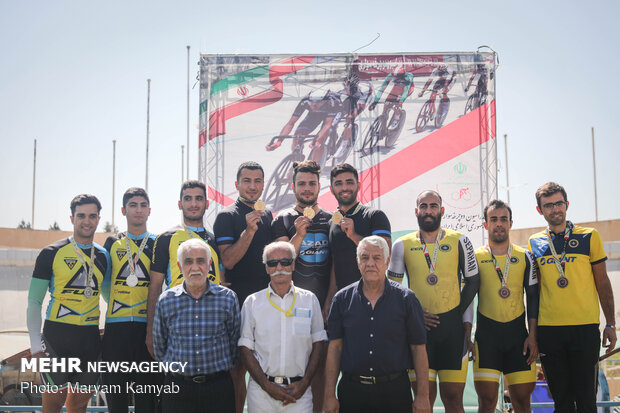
x,y
24,225
108,227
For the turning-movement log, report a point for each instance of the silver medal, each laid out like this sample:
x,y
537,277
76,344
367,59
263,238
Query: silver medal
x,y
88,292
132,280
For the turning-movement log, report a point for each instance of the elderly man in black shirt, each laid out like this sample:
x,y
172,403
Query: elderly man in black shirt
x,y
376,332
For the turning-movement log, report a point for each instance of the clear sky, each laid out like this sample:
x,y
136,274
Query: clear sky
x,y
73,76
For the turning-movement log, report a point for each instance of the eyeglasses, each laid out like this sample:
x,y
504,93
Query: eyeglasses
x,y
284,261
551,205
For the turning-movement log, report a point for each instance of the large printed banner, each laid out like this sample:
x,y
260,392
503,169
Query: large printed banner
x,y
407,122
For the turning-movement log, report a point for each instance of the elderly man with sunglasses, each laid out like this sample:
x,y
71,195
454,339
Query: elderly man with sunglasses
x,y
282,338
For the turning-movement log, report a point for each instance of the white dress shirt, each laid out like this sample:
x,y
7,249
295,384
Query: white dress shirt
x,y
282,344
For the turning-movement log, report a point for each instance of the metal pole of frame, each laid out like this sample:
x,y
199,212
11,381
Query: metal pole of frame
x,y
594,169
148,109
182,163
113,178
506,156
187,111
34,176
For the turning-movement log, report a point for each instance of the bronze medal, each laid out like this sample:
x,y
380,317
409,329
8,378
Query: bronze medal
x,y
309,212
432,279
504,292
259,205
562,282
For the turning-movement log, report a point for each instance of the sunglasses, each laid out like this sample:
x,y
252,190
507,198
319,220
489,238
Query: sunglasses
x,y
284,261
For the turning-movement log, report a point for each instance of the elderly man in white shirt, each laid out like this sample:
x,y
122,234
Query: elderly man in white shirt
x,y
282,338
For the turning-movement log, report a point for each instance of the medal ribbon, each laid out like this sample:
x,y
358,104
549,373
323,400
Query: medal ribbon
x,y
431,263
90,268
503,277
288,312
191,233
559,261
132,261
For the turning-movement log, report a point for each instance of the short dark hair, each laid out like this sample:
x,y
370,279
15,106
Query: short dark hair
x,y
341,168
84,199
428,192
135,191
496,204
306,166
549,189
252,166
192,184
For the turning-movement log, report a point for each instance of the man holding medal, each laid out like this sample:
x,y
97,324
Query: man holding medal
x,y
350,224
573,278
282,338
74,270
437,261
131,253
242,230
503,345
193,203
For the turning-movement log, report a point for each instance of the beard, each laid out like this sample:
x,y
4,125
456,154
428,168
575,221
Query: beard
x,y
303,202
429,226
498,238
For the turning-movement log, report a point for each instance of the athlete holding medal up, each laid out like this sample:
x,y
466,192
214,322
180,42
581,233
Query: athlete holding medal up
x,y
503,345
349,225
573,278
124,338
436,260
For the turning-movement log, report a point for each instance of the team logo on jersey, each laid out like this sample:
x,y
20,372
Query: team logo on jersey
x,y
445,248
121,254
314,248
573,243
64,311
514,260
79,280
117,305
70,262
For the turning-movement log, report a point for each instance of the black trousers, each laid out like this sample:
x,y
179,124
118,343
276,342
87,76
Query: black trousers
x,y
569,356
393,397
125,342
215,396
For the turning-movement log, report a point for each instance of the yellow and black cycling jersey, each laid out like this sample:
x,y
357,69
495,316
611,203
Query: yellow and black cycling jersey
x,y
577,302
456,262
522,275
66,277
126,302
165,258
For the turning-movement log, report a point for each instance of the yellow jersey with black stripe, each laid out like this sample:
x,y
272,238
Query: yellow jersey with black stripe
x,y
59,264
522,276
128,303
165,256
577,303
455,259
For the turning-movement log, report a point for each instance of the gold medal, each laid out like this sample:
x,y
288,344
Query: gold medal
x,y
337,217
309,212
259,205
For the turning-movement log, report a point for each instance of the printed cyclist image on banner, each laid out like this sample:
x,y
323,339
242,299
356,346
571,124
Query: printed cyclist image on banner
x,y
407,122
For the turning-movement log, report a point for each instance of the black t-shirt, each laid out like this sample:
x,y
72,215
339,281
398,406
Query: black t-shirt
x,y
367,221
248,275
314,262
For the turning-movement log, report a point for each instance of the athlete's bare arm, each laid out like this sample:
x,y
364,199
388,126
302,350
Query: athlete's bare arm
x,y
606,297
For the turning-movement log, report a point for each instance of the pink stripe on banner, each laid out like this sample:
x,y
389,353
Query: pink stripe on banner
x,y
219,197
438,147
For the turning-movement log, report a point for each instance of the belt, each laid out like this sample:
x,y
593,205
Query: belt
x,y
282,379
201,378
374,379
